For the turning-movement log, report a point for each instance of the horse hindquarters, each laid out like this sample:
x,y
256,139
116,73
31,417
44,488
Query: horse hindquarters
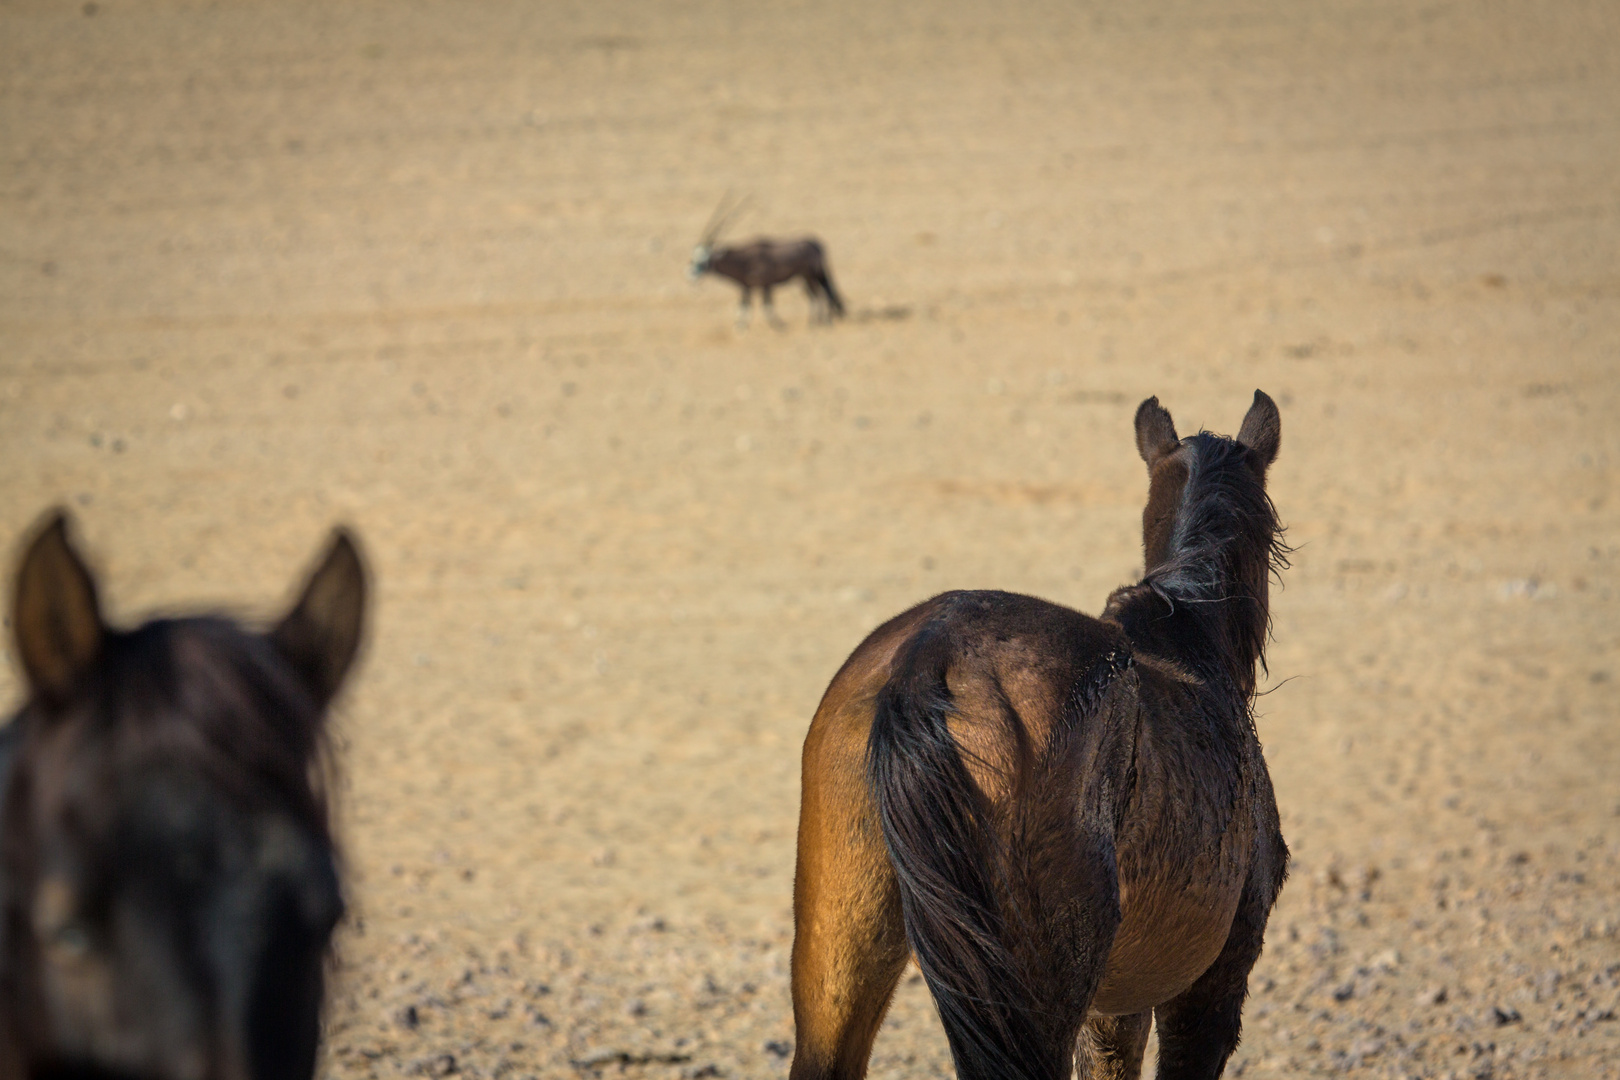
x,y
1011,900
851,940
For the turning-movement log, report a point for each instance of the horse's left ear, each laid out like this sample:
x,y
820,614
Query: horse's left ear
x,y
1155,432
321,635
55,616
1262,429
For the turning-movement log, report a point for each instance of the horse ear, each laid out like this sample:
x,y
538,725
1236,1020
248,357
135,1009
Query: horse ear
x,y
55,616
1155,432
1262,429
321,635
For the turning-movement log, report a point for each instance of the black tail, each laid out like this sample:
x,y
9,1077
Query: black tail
x,y
834,302
941,839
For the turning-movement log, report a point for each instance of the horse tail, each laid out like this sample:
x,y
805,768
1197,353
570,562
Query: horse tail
x,y
939,830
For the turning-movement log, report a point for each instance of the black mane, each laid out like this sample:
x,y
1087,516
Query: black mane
x,y
1208,600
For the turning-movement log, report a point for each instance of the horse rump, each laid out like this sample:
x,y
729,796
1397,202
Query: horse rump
x,y
1009,901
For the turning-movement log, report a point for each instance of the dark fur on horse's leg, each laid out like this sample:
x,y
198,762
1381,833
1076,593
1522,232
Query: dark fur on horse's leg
x,y
1111,1047
1199,1030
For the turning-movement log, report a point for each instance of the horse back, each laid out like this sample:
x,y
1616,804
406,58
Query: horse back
x,y
1011,665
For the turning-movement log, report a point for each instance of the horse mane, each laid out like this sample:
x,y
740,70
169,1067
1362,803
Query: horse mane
x,y
202,691
1225,546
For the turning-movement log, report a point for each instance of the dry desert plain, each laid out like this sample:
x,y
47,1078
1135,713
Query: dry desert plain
x,y
417,266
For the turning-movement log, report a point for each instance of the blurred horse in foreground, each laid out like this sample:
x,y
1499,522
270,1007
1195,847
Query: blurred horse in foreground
x,y
168,885
1067,820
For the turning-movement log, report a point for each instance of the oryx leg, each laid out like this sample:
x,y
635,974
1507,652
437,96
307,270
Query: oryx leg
x,y
849,941
743,308
770,310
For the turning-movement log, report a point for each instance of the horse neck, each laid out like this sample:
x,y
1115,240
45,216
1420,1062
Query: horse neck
x,y
1206,605
1219,648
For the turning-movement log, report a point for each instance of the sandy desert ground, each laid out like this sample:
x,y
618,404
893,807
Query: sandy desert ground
x,y
417,266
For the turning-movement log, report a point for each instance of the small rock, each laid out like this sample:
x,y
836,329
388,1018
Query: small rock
x,y
1502,1017
1345,992
1434,995
407,1018
605,1056
1366,1048
780,1047
439,1065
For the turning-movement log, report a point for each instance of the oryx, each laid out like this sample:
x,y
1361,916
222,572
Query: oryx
x,y
764,264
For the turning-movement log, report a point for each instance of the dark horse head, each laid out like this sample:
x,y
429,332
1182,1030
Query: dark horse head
x,y
1210,544
168,885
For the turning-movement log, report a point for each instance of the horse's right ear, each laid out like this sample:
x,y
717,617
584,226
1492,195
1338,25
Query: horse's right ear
x,y
321,635
1155,432
55,616
1262,429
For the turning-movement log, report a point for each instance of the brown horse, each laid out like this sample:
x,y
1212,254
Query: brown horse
x,y
1067,820
167,879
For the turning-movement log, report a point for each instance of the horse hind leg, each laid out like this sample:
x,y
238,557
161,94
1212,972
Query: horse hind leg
x,y
1112,1047
849,943
1199,1029
848,956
